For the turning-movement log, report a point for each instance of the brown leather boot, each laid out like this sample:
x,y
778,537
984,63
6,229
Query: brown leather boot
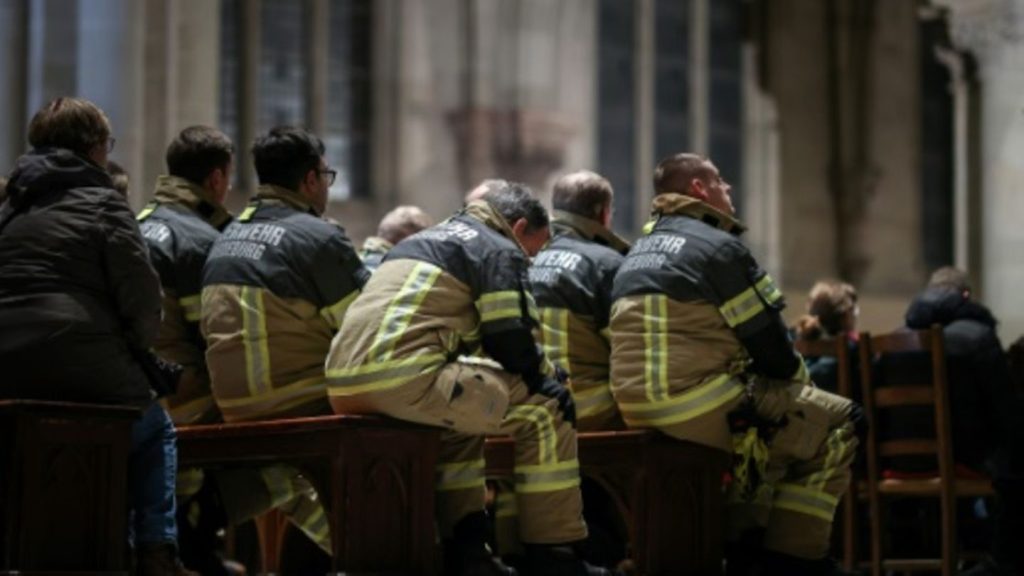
x,y
160,560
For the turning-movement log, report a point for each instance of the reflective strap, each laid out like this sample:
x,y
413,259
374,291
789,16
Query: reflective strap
x,y
192,307
403,305
459,475
278,480
276,400
802,375
606,333
649,226
691,404
246,214
656,346
499,305
334,313
836,446
506,505
380,375
555,328
768,290
531,306
741,308
547,477
189,411
254,338
593,400
317,528
146,212
188,482
804,500
546,437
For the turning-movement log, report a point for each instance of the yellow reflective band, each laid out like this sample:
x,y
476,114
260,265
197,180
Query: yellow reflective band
x,y
191,306
555,329
312,385
649,226
278,480
317,527
593,400
335,313
255,408
403,305
802,375
546,437
380,376
656,346
691,404
254,337
741,308
188,482
768,290
606,333
499,305
805,501
185,413
836,448
246,214
531,307
506,505
531,479
146,212
460,475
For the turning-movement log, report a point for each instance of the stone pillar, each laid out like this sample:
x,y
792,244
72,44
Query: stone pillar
x,y
644,108
317,21
700,89
248,94
14,27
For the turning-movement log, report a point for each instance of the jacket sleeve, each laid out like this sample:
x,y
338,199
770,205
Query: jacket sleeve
x,y
508,316
134,284
339,277
751,305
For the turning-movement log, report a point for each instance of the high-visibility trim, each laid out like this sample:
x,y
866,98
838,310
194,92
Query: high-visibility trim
x,y
836,447
691,404
335,313
185,413
191,306
768,290
494,306
380,376
278,480
555,328
741,308
254,338
188,482
802,374
656,347
464,475
606,333
593,400
146,212
506,505
804,500
317,527
648,226
247,214
531,306
545,424
531,479
315,383
401,309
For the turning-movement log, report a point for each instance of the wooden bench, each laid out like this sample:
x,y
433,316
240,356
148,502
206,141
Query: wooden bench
x,y
668,491
63,487
374,475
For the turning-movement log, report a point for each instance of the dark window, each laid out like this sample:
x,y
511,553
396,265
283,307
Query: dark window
x,y
282,64
672,82
349,107
616,106
229,72
725,104
936,151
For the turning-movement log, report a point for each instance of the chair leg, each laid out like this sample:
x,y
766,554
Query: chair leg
x,y
849,529
876,535
949,542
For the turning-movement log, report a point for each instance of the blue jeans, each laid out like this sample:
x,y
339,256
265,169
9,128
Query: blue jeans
x,y
152,468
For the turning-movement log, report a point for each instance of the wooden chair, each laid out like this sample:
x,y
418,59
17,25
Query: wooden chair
x,y
839,348
893,394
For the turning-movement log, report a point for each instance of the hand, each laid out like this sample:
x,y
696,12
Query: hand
x,y
551,388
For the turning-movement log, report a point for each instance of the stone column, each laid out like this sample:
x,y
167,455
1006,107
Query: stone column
x,y
700,89
14,26
644,109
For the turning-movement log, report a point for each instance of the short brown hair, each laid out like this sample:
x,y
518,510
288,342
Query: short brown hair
x,y
584,193
72,123
196,151
402,222
673,174
828,304
950,277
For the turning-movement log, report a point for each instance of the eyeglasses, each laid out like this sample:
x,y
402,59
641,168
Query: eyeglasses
x,y
331,175
110,144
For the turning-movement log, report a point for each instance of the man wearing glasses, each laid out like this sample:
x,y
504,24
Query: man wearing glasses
x,y
276,285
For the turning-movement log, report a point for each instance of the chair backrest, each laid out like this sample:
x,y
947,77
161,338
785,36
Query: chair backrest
x,y
884,391
838,348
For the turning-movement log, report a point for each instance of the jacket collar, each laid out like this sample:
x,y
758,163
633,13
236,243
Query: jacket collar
x,y
285,196
672,203
588,229
482,211
175,190
376,245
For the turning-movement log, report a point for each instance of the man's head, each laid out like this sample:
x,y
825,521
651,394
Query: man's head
x,y
293,158
402,222
695,176
586,194
203,156
74,124
951,278
483,188
118,176
524,214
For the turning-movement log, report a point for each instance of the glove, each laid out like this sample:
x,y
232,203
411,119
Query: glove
x,y
552,388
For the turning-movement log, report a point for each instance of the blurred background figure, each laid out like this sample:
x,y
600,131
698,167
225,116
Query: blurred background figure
x,y
396,225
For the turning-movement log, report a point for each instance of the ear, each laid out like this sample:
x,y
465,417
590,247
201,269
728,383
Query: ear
x,y
519,227
605,217
697,189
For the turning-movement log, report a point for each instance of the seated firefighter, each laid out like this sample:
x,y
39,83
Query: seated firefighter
x,y
403,348
394,227
700,352
276,285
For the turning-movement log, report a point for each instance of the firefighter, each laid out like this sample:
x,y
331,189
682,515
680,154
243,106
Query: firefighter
x,y
700,352
394,227
404,350
276,285
571,280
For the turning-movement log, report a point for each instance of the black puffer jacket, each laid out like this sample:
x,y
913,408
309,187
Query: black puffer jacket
x,y
76,285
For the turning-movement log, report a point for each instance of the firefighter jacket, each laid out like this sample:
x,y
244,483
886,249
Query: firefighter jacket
x,y
692,314
275,287
179,227
571,281
447,291
374,250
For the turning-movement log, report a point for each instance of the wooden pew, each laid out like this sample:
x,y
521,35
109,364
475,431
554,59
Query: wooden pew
x,y
668,491
374,475
63,487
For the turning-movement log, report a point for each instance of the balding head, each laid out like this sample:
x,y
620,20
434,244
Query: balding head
x,y
402,222
484,187
584,193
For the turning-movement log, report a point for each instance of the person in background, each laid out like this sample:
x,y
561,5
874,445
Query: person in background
x,y
119,177
831,311
394,227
